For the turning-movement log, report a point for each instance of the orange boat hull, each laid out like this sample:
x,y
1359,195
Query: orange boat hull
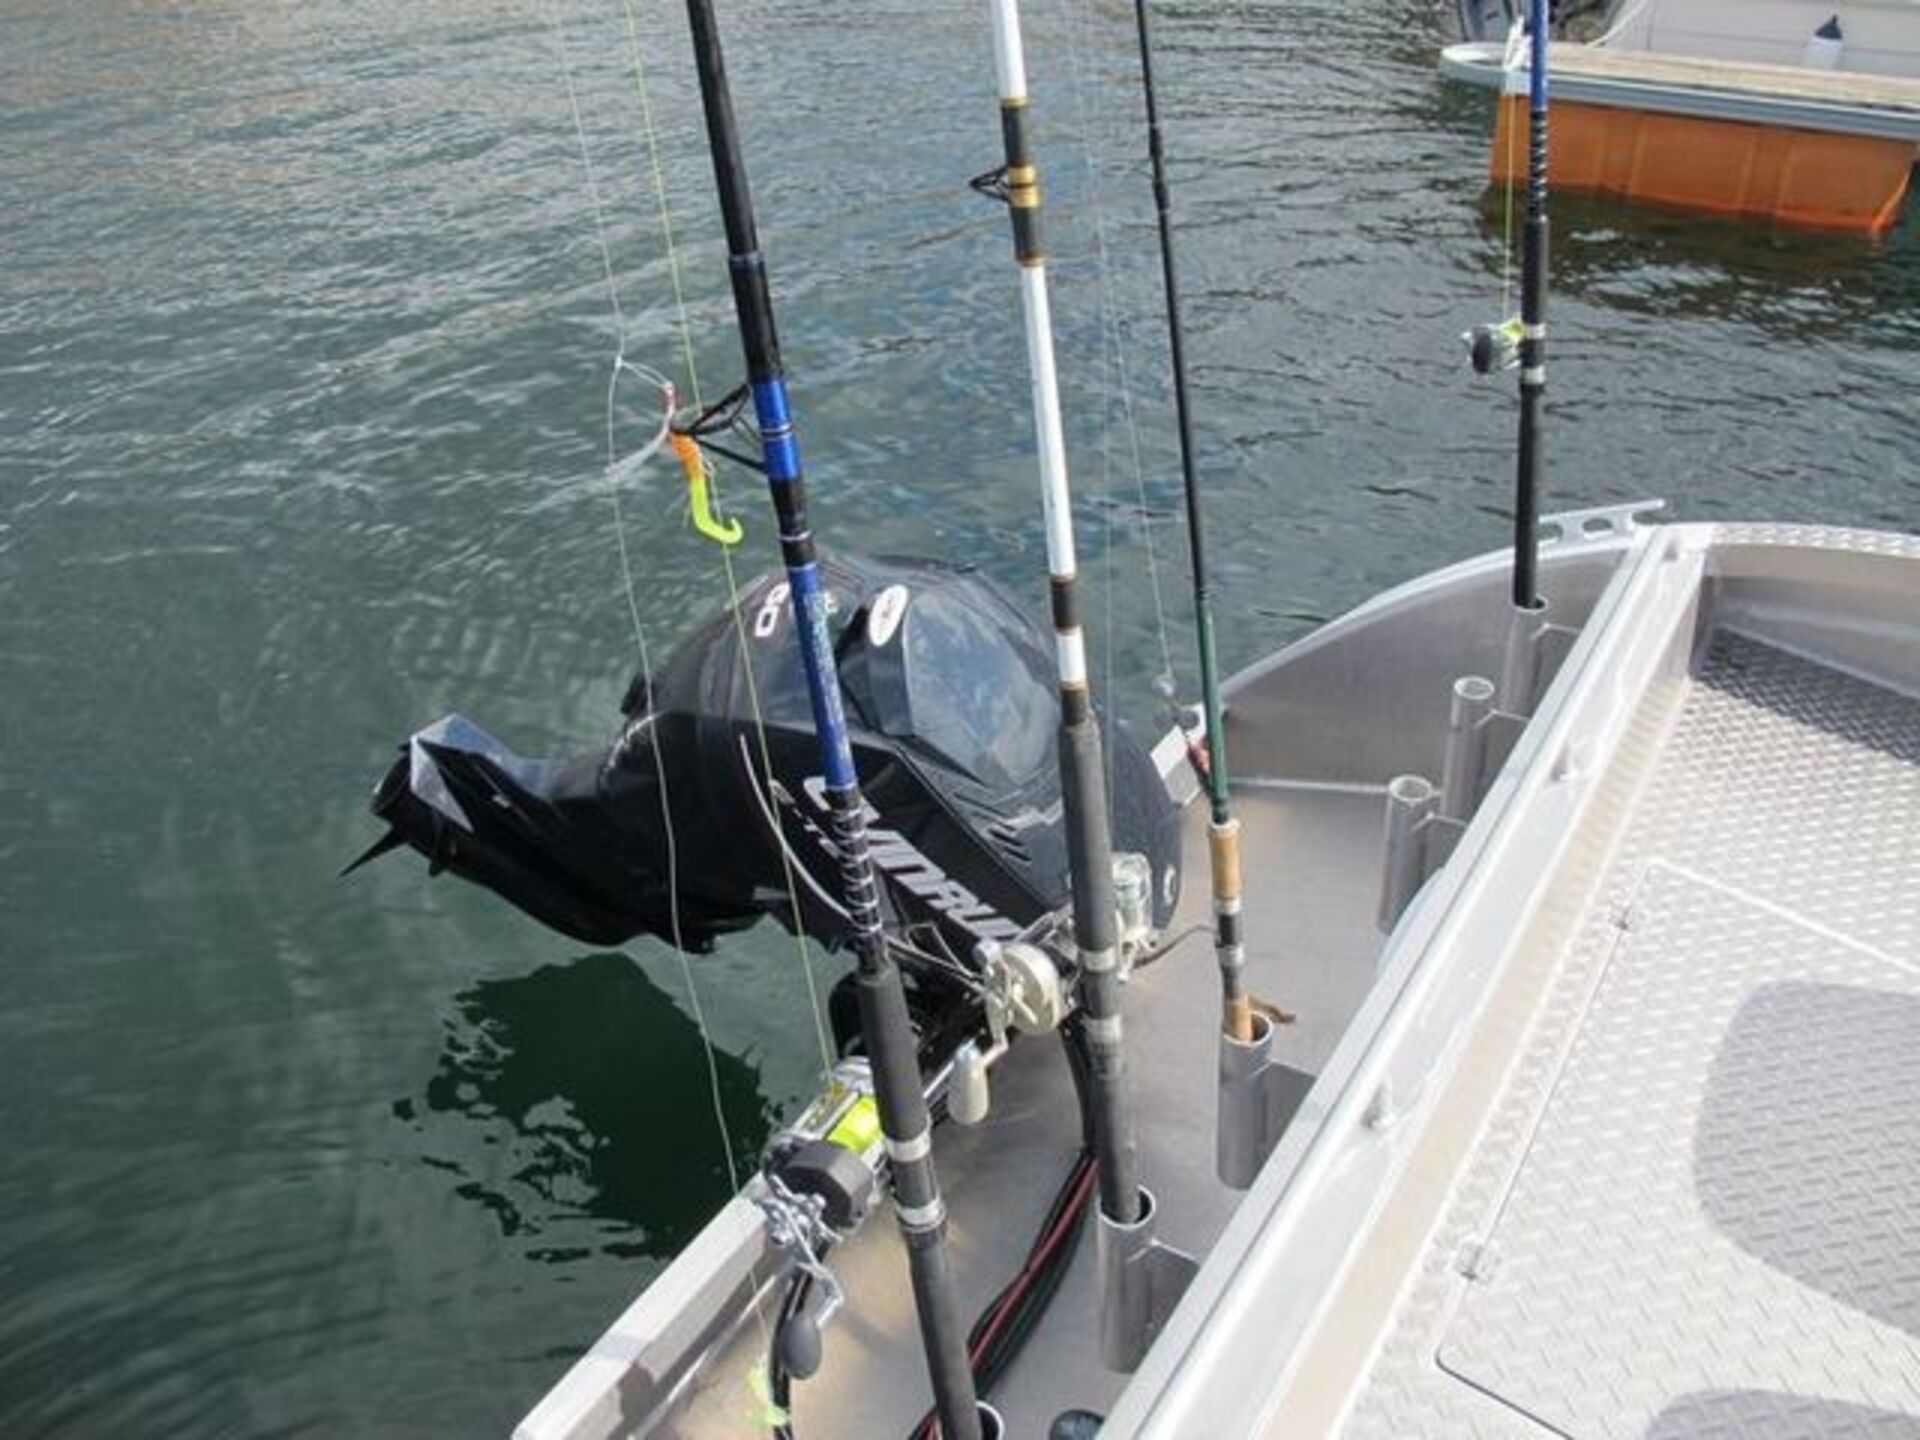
x,y
1808,178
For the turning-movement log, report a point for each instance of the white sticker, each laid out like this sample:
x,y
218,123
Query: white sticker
x,y
767,619
884,618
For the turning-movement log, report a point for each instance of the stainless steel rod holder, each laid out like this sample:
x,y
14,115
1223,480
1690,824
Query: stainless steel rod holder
x,y
1412,800
1463,774
1259,1096
1524,663
1141,1280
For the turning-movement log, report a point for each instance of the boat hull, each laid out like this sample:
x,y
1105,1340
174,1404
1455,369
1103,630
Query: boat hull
x,y
1809,179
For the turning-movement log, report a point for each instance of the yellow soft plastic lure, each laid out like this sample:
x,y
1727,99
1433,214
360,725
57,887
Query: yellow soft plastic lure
x,y
725,532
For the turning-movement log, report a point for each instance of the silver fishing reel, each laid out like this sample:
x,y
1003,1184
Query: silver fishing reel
x,y
1025,993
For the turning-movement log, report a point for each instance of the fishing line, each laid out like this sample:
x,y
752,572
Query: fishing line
x,y
620,365
684,324
1114,355
725,412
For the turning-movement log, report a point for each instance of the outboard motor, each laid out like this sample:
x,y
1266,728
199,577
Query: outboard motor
x,y
952,712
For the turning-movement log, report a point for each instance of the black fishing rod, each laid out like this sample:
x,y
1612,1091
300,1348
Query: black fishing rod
x,y
1533,324
1236,1011
1082,781
884,1023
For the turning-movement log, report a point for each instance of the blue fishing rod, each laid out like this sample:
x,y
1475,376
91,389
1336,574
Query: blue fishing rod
x,y
1523,341
884,1023
1533,324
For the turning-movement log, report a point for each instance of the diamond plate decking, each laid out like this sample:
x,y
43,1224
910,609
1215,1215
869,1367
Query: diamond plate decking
x,y
1693,1209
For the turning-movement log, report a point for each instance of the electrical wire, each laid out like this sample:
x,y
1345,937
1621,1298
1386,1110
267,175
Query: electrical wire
x,y
779,1382
1009,1320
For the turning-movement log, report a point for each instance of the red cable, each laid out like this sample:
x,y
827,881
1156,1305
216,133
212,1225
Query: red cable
x,y
1017,1287
1068,1218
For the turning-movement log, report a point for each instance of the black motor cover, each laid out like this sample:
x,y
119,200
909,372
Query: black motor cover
x,y
953,713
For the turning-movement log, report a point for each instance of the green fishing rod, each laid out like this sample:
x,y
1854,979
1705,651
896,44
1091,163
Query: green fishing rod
x,y
1223,831
885,1025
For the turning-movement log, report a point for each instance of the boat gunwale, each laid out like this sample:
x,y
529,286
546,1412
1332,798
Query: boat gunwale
x,y
1184,1381
1479,63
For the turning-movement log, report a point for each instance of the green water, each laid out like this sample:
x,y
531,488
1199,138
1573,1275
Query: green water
x,y
303,339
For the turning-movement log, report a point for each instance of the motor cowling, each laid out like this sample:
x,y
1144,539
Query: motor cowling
x,y
677,828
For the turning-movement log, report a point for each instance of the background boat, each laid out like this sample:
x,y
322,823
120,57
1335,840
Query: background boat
x,y
1787,110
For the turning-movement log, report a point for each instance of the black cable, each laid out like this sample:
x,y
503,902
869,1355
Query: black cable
x,y
779,1383
1037,1289
1080,1066
1016,1327
953,970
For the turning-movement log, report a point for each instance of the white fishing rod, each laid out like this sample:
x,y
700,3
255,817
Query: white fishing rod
x,y
1082,776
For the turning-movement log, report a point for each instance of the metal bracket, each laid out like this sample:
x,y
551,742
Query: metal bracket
x,y
1259,1096
796,1223
992,184
1141,1280
1598,524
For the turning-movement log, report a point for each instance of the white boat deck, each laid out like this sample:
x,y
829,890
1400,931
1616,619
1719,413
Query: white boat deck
x,y
1708,75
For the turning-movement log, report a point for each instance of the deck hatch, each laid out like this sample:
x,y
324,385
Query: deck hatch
x,y
1714,1210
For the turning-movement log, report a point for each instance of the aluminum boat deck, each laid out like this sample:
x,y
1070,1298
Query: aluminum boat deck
x,y
1639,1155
1692,1209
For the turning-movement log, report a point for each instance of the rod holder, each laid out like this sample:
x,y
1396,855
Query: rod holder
x,y
1259,1096
1528,634
992,1426
1412,800
1464,771
1141,1280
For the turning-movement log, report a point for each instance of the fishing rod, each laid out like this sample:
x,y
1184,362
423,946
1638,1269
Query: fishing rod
x,y
1521,341
1533,324
884,1022
1229,943
1082,786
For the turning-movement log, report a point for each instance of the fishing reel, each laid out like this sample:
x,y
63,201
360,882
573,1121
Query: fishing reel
x,y
818,1179
1494,347
1027,989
